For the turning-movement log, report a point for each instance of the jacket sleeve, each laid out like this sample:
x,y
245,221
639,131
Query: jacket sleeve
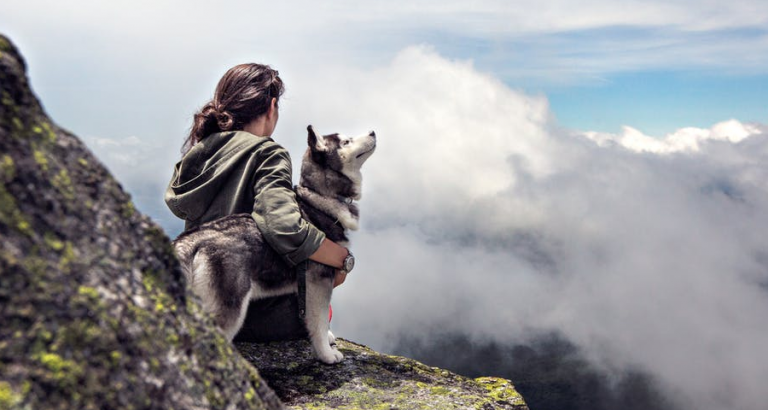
x,y
276,211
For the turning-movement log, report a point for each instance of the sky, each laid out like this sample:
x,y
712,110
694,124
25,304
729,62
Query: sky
x,y
594,169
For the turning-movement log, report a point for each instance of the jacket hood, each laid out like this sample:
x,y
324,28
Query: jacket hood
x,y
204,169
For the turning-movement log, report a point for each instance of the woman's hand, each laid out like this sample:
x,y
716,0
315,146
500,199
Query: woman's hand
x,y
341,276
330,253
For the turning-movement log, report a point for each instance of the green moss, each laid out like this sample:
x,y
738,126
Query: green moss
x,y
139,315
53,242
41,160
8,398
35,265
172,339
46,335
10,214
7,100
500,389
222,346
67,256
213,395
439,390
155,287
44,132
304,380
378,383
7,169
62,369
79,334
48,133
128,209
23,226
63,183
88,291
154,364
4,45
17,124
83,162
150,279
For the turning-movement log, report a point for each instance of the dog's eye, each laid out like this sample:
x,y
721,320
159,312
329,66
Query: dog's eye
x,y
346,142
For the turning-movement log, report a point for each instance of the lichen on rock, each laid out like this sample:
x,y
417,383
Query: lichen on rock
x,y
370,380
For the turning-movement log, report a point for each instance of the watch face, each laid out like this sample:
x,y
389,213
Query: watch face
x,y
349,263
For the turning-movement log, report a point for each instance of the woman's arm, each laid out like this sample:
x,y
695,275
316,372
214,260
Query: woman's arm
x,y
330,253
277,215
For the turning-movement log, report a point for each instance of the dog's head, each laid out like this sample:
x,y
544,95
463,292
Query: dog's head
x,y
332,163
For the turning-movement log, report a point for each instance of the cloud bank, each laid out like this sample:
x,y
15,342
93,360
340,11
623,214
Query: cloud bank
x,y
482,217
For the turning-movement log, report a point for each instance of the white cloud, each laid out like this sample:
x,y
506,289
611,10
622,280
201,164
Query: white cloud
x,y
480,216
682,140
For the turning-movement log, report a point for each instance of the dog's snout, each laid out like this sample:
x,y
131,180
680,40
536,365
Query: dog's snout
x,y
372,134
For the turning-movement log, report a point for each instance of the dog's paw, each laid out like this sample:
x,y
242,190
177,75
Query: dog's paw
x,y
330,356
331,339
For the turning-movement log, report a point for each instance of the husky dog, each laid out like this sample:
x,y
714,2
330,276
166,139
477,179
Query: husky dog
x,y
228,263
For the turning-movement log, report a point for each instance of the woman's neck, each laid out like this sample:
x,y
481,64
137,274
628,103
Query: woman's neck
x,y
259,126
265,124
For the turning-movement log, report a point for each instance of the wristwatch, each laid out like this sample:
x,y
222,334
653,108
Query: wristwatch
x,y
349,262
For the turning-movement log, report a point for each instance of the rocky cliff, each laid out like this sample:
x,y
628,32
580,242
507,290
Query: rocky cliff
x,y
93,309
95,313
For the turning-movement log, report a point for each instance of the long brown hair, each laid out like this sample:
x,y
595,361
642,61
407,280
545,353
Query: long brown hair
x,y
243,94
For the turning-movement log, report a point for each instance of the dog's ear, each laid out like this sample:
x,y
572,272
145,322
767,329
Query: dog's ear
x,y
316,142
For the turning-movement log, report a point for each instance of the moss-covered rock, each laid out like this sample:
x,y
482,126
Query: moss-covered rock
x,y
370,380
94,310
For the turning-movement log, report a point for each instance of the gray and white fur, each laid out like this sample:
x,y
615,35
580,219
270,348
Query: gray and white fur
x,y
228,263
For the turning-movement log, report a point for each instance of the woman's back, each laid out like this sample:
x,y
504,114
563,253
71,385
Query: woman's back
x,y
231,165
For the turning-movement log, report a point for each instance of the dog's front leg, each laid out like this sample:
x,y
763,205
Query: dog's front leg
x,y
319,289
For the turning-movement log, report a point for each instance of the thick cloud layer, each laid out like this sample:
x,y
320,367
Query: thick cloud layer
x,y
483,218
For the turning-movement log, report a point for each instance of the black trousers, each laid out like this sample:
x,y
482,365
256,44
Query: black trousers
x,y
271,319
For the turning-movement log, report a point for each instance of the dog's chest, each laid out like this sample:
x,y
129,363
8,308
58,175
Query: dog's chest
x,y
326,223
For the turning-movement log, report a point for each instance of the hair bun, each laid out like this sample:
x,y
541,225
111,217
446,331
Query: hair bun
x,y
207,111
224,120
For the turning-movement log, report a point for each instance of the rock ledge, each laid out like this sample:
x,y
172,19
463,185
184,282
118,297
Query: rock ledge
x,y
370,380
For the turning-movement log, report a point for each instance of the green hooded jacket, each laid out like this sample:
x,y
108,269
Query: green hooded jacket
x,y
238,172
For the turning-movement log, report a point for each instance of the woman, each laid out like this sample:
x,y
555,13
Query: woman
x,y
231,165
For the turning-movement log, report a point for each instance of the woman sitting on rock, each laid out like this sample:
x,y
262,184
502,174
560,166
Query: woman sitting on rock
x,y
223,173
